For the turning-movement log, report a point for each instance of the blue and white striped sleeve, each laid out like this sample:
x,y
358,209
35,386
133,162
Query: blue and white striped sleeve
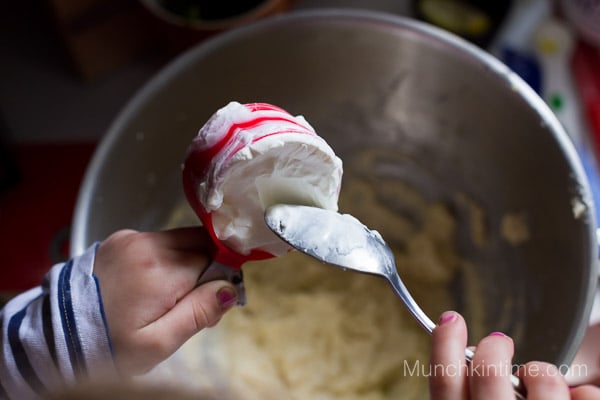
x,y
56,333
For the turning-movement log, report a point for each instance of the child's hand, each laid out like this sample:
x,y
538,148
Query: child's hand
x,y
151,302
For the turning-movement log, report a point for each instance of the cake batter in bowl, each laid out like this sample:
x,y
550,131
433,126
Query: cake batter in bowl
x,y
448,154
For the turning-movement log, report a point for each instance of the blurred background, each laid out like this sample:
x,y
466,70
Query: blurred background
x,y
69,67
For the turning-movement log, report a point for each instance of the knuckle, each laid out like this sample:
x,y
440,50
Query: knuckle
x,y
140,246
120,238
202,316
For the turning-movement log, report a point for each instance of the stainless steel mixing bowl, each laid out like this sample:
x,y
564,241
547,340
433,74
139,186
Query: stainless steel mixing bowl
x,y
436,112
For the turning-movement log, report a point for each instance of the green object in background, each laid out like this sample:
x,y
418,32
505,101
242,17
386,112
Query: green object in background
x,y
476,21
456,16
555,100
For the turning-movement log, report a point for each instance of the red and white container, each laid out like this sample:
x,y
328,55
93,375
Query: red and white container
x,y
246,158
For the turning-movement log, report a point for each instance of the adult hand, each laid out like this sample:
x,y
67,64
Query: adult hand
x,y
488,375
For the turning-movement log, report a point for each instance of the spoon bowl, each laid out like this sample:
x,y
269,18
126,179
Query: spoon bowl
x,y
343,241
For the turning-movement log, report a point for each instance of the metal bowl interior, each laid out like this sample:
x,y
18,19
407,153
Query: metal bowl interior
x,y
435,110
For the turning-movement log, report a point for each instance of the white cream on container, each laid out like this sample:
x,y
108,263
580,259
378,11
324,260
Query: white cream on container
x,y
248,157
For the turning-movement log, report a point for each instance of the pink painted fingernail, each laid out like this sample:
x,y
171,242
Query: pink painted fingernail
x,y
227,297
447,317
497,334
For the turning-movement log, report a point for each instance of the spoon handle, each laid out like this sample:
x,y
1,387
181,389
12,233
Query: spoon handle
x,y
217,271
402,292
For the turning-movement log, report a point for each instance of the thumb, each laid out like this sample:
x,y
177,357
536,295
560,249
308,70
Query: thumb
x,y
201,308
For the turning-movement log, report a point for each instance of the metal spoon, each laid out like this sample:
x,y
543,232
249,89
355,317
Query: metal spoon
x,y
343,241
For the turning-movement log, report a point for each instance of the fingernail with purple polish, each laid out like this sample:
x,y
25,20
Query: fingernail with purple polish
x,y
226,297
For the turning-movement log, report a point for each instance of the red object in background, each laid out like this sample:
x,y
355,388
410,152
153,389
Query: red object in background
x,y
585,64
36,213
